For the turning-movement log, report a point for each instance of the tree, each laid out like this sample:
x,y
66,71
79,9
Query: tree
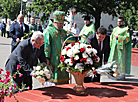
x,y
10,8
130,14
93,8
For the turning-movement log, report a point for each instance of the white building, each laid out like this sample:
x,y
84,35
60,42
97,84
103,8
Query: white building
x,y
105,21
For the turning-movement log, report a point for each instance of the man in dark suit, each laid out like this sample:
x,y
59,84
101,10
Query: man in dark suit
x,y
26,54
17,30
101,42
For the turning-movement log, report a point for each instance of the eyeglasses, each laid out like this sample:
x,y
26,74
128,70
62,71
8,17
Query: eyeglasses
x,y
38,43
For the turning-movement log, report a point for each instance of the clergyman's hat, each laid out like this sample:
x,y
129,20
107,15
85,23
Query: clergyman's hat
x,y
87,18
59,16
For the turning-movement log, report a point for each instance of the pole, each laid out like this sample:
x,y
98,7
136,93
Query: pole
x,y
21,7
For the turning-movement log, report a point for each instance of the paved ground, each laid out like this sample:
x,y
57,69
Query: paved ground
x,y
5,49
95,92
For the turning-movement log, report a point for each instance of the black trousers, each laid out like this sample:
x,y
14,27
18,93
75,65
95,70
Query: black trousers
x,y
90,79
24,80
2,33
8,34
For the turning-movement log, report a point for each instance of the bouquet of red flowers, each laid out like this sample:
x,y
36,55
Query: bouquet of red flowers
x,y
79,57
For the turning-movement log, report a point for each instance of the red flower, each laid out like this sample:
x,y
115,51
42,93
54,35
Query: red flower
x,y
20,75
28,87
89,46
94,57
14,86
68,48
94,72
78,42
8,79
82,49
84,59
72,44
71,59
62,58
81,59
1,69
14,76
5,82
18,66
8,73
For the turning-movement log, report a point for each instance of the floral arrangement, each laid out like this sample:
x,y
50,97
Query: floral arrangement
x,y
6,83
42,73
109,69
26,35
78,57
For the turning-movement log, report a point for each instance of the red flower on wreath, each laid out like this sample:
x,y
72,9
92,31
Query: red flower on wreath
x,y
68,48
89,46
62,58
82,49
78,42
72,44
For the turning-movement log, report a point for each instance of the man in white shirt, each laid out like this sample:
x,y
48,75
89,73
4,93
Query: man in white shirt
x,y
75,30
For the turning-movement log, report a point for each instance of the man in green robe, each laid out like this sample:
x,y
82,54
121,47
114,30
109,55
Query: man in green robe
x,y
87,29
32,25
54,36
120,43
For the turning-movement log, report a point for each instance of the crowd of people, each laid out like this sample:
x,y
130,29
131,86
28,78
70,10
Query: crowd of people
x,y
5,27
46,46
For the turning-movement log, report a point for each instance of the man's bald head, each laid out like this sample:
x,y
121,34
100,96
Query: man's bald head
x,y
20,18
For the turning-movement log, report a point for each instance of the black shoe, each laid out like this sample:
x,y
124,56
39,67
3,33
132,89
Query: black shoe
x,y
87,79
122,77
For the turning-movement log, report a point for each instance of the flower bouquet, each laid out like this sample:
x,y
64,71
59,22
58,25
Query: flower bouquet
x,y
43,74
26,35
78,59
109,69
7,86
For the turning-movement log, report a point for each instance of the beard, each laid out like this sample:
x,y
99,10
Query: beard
x,y
57,26
121,25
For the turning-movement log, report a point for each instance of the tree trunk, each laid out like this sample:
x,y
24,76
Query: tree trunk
x,y
6,18
97,21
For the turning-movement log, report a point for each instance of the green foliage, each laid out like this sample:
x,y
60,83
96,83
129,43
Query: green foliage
x,y
129,12
10,8
28,35
94,8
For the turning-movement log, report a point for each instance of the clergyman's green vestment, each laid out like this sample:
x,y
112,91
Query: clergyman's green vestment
x,y
86,31
53,40
121,49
